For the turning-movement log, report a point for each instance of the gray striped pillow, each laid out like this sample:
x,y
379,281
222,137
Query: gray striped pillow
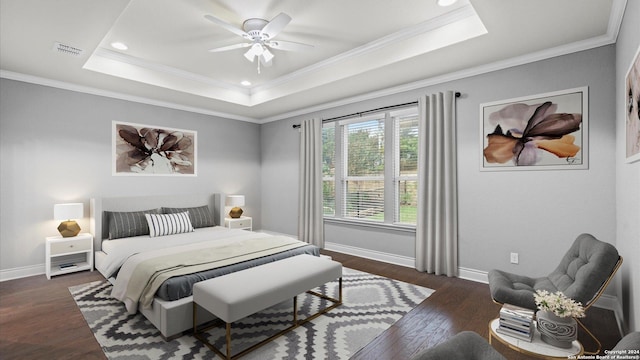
x,y
128,224
168,224
200,216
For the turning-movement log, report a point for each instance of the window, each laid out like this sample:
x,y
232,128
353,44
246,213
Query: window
x,y
370,167
329,169
364,169
406,174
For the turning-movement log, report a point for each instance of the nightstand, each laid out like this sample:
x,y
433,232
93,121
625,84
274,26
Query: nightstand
x,y
64,255
243,222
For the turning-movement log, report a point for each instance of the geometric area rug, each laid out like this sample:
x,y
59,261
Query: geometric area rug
x,y
371,304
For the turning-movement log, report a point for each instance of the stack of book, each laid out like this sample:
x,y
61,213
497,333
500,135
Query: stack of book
x,y
517,322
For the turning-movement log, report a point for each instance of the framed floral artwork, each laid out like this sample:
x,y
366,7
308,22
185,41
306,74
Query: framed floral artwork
x,y
632,110
539,132
151,150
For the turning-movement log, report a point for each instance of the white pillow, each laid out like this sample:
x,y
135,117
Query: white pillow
x,y
168,224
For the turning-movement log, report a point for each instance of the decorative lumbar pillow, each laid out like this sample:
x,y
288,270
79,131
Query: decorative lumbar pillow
x,y
128,224
200,216
168,224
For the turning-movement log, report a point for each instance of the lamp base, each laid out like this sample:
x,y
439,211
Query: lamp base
x,y
235,213
69,228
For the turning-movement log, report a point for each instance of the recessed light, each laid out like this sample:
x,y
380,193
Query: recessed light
x,y
446,2
118,45
245,83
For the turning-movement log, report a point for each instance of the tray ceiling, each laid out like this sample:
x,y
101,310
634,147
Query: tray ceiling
x,y
359,47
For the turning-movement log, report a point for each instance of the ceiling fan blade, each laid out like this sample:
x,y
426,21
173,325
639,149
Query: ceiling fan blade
x,y
288,45
230,47
276,25
227,26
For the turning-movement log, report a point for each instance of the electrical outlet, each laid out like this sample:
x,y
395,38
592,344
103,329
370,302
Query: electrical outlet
x,y
514,258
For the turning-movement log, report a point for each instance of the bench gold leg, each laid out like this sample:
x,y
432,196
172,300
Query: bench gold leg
x,y
195,319
295,310
228,341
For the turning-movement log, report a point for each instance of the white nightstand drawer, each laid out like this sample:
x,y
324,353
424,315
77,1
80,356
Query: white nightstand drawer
x,y
71,245
244,223
239,224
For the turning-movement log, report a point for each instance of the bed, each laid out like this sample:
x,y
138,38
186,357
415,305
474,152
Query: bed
x,y
166,299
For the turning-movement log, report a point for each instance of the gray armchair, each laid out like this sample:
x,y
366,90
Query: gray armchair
x,y
466,345
583,274
630,342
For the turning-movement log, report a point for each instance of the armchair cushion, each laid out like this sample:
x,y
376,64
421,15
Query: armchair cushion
x,y
581,273
508,288
584,268
466,345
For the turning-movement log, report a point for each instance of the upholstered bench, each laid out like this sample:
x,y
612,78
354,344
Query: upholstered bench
x,y
237,295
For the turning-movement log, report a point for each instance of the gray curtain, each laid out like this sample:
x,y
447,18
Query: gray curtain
x,y
310,216
437,224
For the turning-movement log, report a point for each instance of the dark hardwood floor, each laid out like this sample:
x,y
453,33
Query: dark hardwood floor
x,y
40,320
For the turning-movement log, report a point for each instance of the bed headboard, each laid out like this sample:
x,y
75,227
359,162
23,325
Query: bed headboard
x,y
98,206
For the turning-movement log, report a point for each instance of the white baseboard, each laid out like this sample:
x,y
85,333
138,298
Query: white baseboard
x,y
473,275
21,272
371,254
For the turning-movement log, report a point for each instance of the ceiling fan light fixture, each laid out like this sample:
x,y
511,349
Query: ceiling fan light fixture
x,y
255,50
267,55
260,33
249,55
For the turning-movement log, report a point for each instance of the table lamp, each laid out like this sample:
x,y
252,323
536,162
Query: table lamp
x,y
236,201
68,213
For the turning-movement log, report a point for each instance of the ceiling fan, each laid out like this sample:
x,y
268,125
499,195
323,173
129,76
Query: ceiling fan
x,y
260,34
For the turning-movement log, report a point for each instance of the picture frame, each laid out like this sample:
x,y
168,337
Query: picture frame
x,y
632,110
539,132
147,150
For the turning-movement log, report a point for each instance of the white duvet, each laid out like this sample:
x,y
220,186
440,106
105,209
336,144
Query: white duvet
x,y
117,251
143,273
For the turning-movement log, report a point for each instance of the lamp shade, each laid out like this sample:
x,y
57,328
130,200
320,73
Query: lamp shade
x,y
235,200
68,211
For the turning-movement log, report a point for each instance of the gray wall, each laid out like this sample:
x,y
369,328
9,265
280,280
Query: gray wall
x,y
55,146
535,213
628,175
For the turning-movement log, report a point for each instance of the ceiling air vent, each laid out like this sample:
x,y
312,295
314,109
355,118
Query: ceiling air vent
x,y
67,49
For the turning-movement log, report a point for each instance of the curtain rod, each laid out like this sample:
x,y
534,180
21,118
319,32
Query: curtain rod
x,y
296,126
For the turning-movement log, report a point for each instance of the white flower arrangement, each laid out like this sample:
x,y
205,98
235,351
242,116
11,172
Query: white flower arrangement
x,y
558,304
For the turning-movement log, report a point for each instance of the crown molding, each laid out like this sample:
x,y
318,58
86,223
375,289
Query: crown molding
x,y
615,18
457,75
117,95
